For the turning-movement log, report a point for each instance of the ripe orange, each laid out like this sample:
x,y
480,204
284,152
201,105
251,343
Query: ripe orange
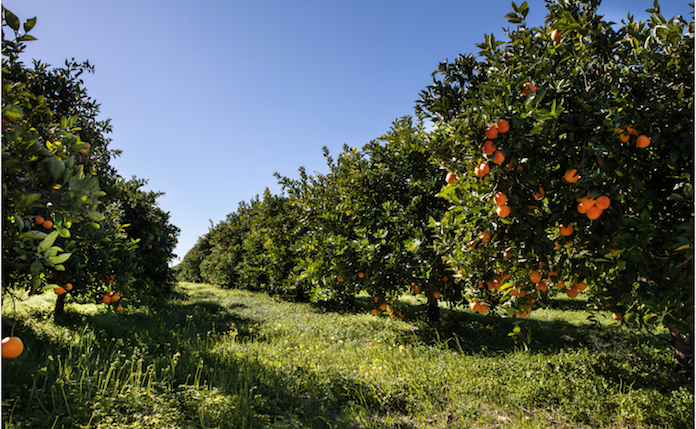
x,y
541,287
603,202
566,230
571,176
539,195
632,131
375,311
643,141
525,313
119,308
483,308
106,300
535,276
39,220
383,307
581,208
552,274
340,278
47,224
580,286
437,295
503,126
528,88
485,237
451,178
115,297
503,211
68,286
488,147
149,246
572,292
498,158
59,290
492,132
12,347
594,212
617,316
500,199
361,274
482,169
624,138
556,36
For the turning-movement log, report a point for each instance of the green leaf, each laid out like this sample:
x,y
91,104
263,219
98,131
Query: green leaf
x,y
36,267
12,111
11,19
59,268
60,258
29,24
47,242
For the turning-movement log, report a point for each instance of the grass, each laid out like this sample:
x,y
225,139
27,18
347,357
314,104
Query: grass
x,y
212,358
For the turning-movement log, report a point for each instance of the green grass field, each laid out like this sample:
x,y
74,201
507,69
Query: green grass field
x,y
212,358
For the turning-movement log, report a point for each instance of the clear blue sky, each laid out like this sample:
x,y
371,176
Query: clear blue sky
x,y
209,98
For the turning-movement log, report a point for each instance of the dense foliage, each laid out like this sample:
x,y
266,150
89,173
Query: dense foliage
x,y
70,223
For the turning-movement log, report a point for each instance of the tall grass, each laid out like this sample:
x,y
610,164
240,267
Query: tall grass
x,y
212,358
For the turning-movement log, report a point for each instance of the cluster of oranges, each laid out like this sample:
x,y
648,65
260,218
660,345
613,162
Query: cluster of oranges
x,y
60,290
111,298
44,223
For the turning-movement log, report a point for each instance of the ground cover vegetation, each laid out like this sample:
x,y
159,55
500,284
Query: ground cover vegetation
x,y
525,262
205,357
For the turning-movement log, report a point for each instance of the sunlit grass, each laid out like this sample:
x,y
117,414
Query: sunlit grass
x,y
208,357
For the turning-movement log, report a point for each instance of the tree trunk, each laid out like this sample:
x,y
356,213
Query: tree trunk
x,y
684,351
60,306
433,308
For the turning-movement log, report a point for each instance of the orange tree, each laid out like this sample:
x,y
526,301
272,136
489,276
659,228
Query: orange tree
x,y
586,186
56,168
47,185
366,223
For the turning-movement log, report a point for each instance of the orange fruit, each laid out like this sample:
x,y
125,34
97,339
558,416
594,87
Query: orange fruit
x,y
12,347
383,307
643,141
581,208
488,147
451,178
119,308
340,278
525,313
632,131
437,295
503,126
68,286
594,212
624,137
603,202
361,274
482,169
528,88
483,308
566,230
571,176
617,316
59,290
503,211
375,311
539,195
572,292
492,132
535,276
580,286
551,275
115,297
556,36
47,224
541,287
498,157
106,300
39,220
500,199
485,237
